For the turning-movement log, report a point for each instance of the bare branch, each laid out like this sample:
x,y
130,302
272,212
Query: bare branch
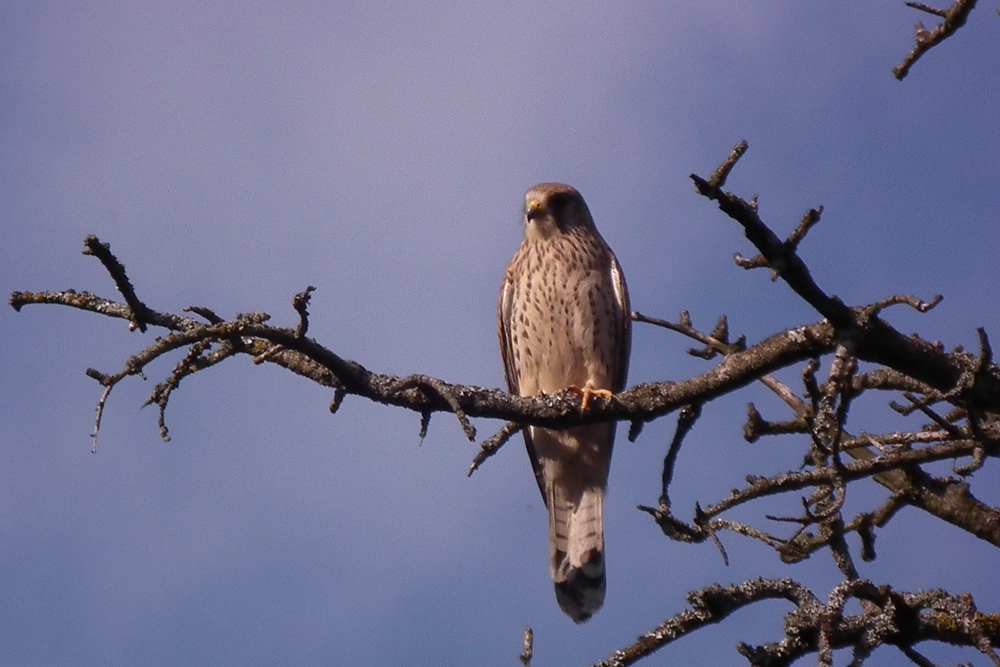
x,y
715,343
860,329
954,18
529,642
781,257
685,422
966,385
441,390
100,413
493,445
301,304
808,221
891,619
859,469
195,360
971,380
305,357
719,176
906,299
102,251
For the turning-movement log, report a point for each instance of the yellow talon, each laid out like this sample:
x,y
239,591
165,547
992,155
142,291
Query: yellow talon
x,y
587,391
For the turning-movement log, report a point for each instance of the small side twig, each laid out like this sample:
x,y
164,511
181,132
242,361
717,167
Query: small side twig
x,y
301,303
716,342
206,313
905,299
102,251
161,393
719,176
424,382
685,421
785,393
809,220
338,398
529,641
493,445
100,413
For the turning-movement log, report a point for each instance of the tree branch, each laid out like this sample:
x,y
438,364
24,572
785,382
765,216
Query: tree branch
x,y
954,18
306,357
892,618
928,376
859,329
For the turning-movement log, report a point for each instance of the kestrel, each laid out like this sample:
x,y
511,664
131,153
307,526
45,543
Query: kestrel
x,y
564,323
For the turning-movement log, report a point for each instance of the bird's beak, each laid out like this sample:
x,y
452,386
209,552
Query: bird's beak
x,y
534,209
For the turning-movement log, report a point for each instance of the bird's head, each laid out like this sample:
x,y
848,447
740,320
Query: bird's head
x,y
551,208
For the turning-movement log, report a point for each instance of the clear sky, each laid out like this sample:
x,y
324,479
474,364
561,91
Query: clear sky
x,y
233,153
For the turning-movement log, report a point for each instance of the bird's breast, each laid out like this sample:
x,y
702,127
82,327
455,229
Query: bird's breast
x,y
563,324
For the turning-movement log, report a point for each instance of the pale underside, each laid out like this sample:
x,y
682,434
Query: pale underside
x,y
564,322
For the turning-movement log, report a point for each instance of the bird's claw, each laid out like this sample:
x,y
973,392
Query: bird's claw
x,y
587,392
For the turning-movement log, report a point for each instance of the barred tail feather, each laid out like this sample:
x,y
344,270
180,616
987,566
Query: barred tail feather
x,y
576,534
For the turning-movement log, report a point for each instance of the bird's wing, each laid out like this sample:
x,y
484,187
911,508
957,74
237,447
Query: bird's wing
x,y
625,324
504,308
504,314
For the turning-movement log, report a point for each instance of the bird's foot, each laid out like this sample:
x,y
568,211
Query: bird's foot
x,y
587,392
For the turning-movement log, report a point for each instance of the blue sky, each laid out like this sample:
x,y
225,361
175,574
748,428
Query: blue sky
x,y
234,153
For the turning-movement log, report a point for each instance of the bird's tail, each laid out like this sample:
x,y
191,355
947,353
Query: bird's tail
x,y
576,544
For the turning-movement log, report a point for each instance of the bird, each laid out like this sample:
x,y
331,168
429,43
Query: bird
x,y
564,323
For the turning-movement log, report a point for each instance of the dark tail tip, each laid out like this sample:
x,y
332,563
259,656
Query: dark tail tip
x,y
581,593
